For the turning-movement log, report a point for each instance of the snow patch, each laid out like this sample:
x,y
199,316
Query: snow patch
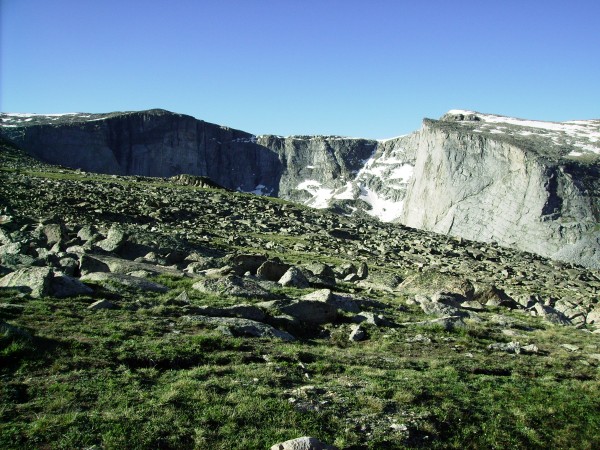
x,y
384,209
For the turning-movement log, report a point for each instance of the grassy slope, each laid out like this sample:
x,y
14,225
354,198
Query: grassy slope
x,y
146,378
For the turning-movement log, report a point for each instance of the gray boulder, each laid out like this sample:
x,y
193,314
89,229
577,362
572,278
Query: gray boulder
x,y
246,263
357,334
34,281
102,304
551,315
113,241
308,311
272,270
294,277
66,286
233,285
250,312
303,443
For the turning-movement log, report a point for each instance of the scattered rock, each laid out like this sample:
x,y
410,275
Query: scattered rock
x,y
508,347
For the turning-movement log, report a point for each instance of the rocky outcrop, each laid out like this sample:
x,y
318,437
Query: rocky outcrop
x,y
497,189
534,186
159,143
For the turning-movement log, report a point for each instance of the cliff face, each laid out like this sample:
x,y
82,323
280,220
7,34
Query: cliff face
x,y
482,187
529,185
151,143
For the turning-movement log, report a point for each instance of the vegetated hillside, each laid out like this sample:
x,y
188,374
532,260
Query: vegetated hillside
x,y
530,185
153,313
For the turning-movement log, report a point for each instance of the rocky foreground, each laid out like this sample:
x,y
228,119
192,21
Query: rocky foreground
x,y
247,321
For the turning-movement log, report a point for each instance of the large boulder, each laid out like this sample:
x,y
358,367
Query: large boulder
x,y
232,285
35,281
272,270
66,286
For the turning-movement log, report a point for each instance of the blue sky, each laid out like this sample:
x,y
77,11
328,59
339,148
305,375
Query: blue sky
x,y
356,68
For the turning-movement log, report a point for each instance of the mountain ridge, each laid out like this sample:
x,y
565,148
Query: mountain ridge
x,y
482,163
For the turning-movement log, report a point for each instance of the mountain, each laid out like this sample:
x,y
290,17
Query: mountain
x,y
529,185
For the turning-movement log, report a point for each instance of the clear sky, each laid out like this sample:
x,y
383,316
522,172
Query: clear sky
x,y
369,68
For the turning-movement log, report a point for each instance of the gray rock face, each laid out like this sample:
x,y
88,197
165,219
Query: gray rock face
x,y
534,186
491,187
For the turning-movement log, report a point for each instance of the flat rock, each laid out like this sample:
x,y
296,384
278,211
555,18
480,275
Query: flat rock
x,y
125,280
250,312
233,285
102,304
124,266
244,327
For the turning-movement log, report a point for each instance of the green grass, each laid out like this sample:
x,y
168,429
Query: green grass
x,y
131,379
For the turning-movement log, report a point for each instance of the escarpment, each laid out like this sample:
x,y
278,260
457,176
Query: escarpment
x,y
529,185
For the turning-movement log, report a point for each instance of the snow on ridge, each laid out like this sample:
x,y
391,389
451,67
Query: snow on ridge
x,y
382,141
578,133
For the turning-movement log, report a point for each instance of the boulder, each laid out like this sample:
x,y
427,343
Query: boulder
x,y
113,241
250,312
102,304
34,281
322,274
303,443
357,334
493,296
551,315
55,233
66,286
438,308
294,277
246,263
233,285
272,270
308,311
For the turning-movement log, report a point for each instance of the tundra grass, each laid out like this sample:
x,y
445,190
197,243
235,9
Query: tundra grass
x,y
125,378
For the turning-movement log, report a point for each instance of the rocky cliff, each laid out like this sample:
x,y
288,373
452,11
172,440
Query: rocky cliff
x,y
524,184
474,181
